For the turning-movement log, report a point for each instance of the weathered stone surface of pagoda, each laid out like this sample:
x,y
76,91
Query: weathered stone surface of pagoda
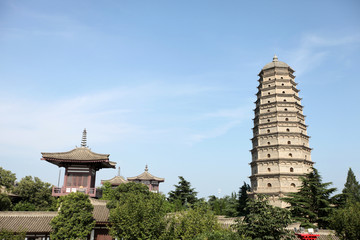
x,y
280,144
80,166
146,178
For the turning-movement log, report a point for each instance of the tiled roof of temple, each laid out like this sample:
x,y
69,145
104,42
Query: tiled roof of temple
x,y
117,180
146,176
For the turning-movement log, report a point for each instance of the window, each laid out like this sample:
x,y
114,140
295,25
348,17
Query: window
x,y
283,91
284,100
269,185
293,185
268,101
269,78
285,109
77,180
269,170
291,169
268,130
286,119
282,84
268,110
289,142
269,144
290,154
269,85
268,155
288,130
268,120
268,93
282,78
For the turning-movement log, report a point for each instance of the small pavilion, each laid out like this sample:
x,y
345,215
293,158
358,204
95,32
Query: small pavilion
x,y
146,178
81,165
115,181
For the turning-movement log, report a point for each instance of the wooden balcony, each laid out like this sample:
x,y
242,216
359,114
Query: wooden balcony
x,y
57,192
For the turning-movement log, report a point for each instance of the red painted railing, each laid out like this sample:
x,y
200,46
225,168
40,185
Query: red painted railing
x,y
57,192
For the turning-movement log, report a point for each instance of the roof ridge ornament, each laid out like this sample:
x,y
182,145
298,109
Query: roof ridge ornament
x,y
146,168
83,140
275,58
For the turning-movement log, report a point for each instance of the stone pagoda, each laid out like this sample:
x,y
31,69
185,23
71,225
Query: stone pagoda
x,y
280,144
81,165
146,178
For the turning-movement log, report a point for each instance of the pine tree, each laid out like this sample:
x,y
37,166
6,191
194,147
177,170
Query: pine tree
x,y
311,204
243,197
351,190
183,193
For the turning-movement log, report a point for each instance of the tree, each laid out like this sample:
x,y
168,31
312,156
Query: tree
x,y
183,193
35,194
264,221
346,221
4,234
188,224
351,190
137,213
75,219
242,200
311,204
226,205
5,202
7,178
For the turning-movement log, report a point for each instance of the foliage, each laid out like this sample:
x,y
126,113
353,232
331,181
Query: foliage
x,y
264,221
34,191
5,202
346,221
24,206
224,206
7,178
311,204
351,190
107,191
75,219
4,234
242,200
192,222
221,235
183,194
137,213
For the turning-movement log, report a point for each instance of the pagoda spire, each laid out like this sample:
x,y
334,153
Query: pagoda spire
x,y
83,140
146,168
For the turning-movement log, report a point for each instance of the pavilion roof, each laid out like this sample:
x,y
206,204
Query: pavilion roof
x,y
146,176
117,180
78,155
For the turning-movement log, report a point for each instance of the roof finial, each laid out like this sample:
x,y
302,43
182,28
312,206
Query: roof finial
x,y
146,168
119,172
83,141
275,58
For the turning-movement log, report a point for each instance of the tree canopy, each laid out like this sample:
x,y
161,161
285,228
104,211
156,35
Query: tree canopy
x,y
35,194
311,204
351,189
264,221
7,178
242,200
183,193
75,219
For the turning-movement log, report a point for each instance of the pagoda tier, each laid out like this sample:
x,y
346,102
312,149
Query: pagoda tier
x,y
80,166
280,144
146,178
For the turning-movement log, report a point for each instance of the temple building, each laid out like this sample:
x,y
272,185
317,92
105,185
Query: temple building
x,y
81,165
280,144
146,178
115,181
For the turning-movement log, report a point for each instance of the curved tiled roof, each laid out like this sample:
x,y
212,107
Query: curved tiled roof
x,y
117,180
146,176
30,222
79,155
275,63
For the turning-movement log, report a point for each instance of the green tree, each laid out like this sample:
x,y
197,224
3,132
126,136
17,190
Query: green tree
x,y
242,200
346,221
183,193
4,234
34,192
311,205
75,219
137,213
5,202
192,222
107,191
351,190
264,221
7,178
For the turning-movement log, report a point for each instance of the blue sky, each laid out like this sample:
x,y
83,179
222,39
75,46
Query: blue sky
x,y
171,84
